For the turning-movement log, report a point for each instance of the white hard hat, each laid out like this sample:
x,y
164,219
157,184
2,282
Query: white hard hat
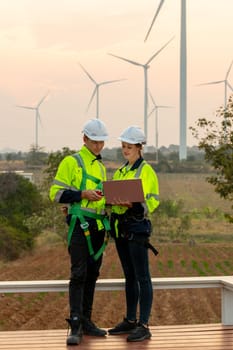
x,y
95,130
133,135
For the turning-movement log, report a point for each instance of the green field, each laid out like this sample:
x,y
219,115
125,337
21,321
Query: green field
x,y
202,215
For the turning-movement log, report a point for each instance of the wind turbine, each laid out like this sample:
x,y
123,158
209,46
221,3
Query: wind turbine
x,y
225,82
156,111
37,116
145,68
96,89
183,76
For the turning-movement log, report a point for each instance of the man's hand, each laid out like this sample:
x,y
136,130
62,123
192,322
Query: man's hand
x,y
92,195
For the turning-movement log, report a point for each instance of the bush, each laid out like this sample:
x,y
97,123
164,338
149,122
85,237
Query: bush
x,y
13,242
170,208
19,200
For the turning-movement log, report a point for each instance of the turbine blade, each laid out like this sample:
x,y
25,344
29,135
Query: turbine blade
x,y
163,47
212,82
151,112
110,81
152,99
126,59
89,76
27,107
43,98
229,69
229,85
91,99
154,18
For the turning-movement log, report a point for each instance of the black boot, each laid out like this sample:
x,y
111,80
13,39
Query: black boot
x,y
89,328
75,336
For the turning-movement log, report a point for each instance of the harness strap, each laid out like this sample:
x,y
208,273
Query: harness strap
x,y
148,245
102,248
85,174
79,213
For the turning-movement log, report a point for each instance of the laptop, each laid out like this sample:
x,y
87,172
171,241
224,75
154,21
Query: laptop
x,y
125,190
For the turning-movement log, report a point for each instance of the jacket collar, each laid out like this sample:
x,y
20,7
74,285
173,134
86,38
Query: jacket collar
x,y
89,155
135,165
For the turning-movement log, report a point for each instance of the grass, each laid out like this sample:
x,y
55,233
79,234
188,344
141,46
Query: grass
x,y
170,264
160,266
183,263
219,266
193,190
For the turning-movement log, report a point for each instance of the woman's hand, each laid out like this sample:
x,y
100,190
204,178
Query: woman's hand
x,y
122,203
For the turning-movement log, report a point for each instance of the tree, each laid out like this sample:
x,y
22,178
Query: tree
x,y
217,144
36,156
19,200
52,214
53,161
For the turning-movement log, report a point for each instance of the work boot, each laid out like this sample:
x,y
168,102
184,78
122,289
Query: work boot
x,y
75,336
89,328
123,327
140,333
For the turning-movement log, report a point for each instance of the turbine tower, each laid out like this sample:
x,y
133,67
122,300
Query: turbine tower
x,y
96,89
37,116
145,68
155,110
226,84
183,77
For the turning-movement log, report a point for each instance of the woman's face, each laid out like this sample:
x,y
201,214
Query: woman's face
x,y
130,152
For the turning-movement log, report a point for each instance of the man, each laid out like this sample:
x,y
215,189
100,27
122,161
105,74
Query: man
x,y
78,182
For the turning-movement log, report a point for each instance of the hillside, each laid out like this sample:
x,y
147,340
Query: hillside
x,y
49,310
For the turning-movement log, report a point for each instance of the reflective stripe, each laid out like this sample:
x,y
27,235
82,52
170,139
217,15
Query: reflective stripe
x,y
152,195
80,211
58,196
63,184
86,176
138,173
94,211
139,169
116,227
79,160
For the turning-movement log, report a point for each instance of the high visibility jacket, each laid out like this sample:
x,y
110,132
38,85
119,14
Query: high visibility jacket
x,y
71,176
142,170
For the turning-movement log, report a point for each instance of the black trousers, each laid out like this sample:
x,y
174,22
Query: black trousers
x,y
84,270
138,286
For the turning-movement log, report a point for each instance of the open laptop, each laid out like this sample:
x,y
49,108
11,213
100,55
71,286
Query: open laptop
x,y
125,190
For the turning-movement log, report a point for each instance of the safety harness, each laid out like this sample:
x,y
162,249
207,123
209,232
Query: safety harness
x,y
78,212
138,165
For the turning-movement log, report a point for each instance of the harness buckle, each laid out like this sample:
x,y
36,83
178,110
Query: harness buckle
x,y
84,226
130,236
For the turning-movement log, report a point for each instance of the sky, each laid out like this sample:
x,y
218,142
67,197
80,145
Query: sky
x,y
43,43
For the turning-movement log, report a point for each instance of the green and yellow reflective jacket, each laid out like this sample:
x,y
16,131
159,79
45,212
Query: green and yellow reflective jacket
x,y
71,176
142,170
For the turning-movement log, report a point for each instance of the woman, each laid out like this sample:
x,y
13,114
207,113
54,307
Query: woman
x,y
131,229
